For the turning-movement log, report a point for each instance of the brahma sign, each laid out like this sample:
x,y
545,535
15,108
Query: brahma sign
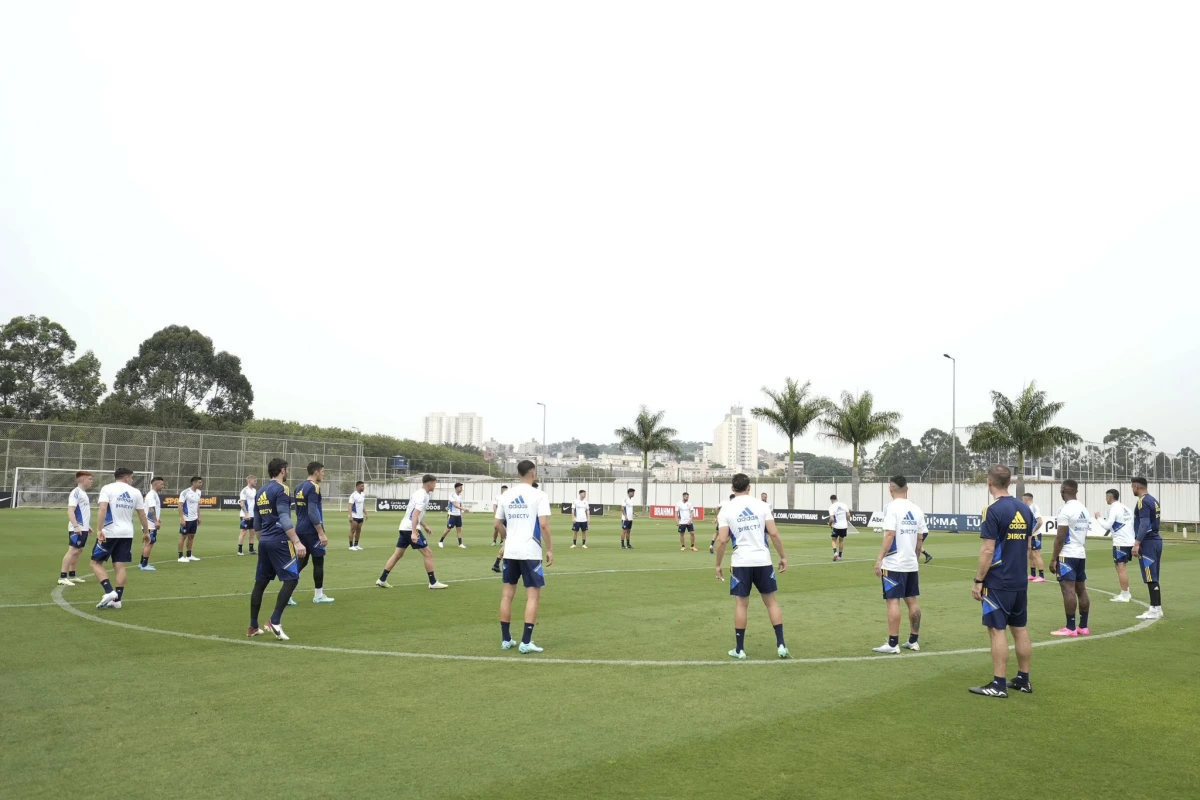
x,y
668,512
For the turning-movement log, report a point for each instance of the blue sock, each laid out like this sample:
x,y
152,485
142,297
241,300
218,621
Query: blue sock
x,y
527,637
71,574
912,638
999,682
1083,615
505,635
779,635
893,641
120,592
383,577
432,580
1070,622
1023,677
740,633
107,584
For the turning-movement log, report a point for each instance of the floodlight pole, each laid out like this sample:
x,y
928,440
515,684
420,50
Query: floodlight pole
x,y
543,461
953,432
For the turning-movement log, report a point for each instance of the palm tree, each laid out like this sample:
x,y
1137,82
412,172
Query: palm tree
x,y
647,436
856,423
1024,427
791,412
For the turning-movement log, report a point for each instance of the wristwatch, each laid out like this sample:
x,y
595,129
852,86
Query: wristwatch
x,y
979,580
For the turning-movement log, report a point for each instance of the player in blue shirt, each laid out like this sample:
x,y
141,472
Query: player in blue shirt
x,y
279,549
310,527
1147,545
1001,585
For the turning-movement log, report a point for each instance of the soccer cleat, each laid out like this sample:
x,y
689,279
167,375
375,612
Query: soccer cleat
x,y
529,648
462,547
1123,597
383,584
192,558
183,559
928,558
572,547
988,691
1021,686
682,549
253,631
1147,614
1065,632
914,646
495,567
630,547
439,585
115,604
147,568
1032,578
291,602
694,550
76,580
1084,632
322,599
107,600
886,648
441,544
710,551
271,627
240,553
740,655
783,652
508,645
585,546
65,582
1039,579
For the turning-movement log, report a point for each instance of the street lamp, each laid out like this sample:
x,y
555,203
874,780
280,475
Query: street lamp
x,y
953,432
543,405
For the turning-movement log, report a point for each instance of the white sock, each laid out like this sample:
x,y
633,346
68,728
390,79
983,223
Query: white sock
x,y
320,593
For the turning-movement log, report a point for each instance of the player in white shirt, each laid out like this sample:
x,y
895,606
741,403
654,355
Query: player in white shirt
x,y
903,525
498,530
581,517
454,521
1037,569
524,511
114,539
684,512
246,513
1120,524
1070,560
358,514
839,521
189,518
153,504
79,525
748,524
411,536
627,515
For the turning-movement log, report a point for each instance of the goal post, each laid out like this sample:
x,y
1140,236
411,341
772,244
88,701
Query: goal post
x,y
40,487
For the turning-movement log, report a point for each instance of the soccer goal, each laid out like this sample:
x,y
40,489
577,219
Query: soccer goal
x,y
38,487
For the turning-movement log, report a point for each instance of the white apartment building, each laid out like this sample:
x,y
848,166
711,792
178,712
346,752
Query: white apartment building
x,y
442,428
735,442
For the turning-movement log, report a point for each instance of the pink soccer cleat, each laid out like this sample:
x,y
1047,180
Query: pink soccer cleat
x,y
1039,579
1084,632
1064,632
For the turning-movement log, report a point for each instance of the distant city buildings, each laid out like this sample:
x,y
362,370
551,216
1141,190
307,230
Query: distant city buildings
x,y
462,429
735,442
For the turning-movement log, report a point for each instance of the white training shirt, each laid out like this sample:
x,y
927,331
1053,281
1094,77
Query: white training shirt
x,y
746,517
838,512
627,509
1074,515
521,509
1120,522
455,506
684,512
246,502
908,521
189,500
81,510
581,510
417,503
123,500
357,502
153,504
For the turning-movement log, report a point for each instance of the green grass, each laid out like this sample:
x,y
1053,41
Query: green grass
x,y
117,712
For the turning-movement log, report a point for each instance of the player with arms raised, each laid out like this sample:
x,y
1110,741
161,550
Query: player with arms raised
x,y
411,536
246,514
524,513
279,549
79,525
153,503
114,538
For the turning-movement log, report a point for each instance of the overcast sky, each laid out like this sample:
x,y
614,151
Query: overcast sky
x,y
391,208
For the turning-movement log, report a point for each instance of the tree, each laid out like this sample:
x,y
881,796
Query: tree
x,y
647,435
1024,427
825,467
936,445
900,457
177,372
791,412
38,379
588,450
856,423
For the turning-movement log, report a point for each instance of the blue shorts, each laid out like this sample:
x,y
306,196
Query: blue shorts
x,y
188,528
78,540
688,528
626,524
515,569
762,578
839,533
1150,555
357,520
406,540
579,526
312,544
119,550
1072,569
1036,543
454,522
154,536
277,560
1004,608
1122,555
246,525
899,585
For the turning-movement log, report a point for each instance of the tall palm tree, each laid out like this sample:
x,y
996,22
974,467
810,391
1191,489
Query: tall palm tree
x,y
791,412
648,435
1024,427
855,422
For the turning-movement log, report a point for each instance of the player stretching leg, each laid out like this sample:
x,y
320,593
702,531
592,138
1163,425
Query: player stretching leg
x,y
310,528
1037,569
581,517
153,504
454,521
114,535
358,514
524,513
1069,562
839,522
79,525
1119,523
246,514
189,518
747,524
279,549
683,516
897,565
1147,545
414,522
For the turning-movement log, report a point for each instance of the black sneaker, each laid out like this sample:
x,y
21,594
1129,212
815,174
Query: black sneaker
x,y
1023,686
988,691
630,547
495,568
928,558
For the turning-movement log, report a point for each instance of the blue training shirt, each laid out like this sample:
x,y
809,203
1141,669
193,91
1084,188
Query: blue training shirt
x,y
1009,523
1147,517
273,512
308,509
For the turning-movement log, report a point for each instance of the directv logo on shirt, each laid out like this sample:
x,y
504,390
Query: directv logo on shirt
x,y
124,501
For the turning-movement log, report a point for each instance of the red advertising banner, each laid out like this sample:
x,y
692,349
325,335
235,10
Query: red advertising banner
x,y
668,512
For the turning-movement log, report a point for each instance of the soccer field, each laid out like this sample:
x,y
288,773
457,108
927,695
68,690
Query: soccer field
x,y
406,693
